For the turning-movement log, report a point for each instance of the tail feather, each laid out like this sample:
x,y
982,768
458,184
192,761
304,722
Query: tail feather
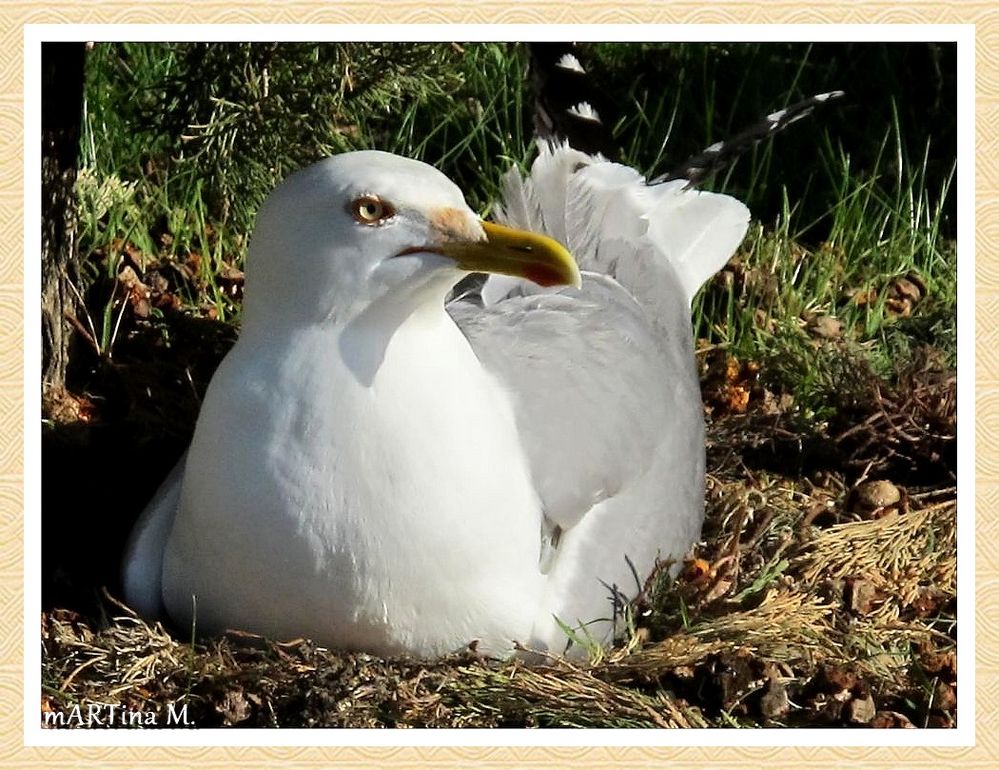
x,y
696,169
567,105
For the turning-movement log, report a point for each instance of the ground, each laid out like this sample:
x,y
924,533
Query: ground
x,y
823,593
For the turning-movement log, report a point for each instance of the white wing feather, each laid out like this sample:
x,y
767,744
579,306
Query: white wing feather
x,y
583,201
602,378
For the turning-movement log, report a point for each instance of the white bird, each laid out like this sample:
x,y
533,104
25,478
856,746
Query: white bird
x,y
381,470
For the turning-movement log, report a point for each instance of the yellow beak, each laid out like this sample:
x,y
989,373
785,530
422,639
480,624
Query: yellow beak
x,y
520,253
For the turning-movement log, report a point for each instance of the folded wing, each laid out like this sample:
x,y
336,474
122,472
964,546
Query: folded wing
x,y
603,378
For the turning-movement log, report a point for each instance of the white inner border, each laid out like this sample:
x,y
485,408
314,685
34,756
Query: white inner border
x,y
963,35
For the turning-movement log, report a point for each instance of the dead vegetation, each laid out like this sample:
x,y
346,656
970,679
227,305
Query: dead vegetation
x,y
817,599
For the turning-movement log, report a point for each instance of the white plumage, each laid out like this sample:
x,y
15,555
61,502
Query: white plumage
x,y
379,472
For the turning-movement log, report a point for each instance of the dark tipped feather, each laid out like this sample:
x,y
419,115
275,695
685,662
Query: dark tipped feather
x,y
698,168
567,106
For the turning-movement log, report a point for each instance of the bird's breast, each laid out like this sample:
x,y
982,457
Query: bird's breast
x,y
316,504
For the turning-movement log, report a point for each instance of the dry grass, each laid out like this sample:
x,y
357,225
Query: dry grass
x,y
804,605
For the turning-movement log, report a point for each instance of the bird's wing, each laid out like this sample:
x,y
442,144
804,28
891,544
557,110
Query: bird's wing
x,y
609,416
602,377
142,564
593,389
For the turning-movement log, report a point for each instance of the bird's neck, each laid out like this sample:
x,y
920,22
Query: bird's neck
x,y
412,327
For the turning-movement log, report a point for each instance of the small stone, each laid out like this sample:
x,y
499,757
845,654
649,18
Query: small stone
x,y
885,720
942,664
860,595
827,327
235,708
907,289
861,711
898,307
835,680
157,281
874,496
128,278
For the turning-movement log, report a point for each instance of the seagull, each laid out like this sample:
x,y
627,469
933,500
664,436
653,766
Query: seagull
x,y
388,464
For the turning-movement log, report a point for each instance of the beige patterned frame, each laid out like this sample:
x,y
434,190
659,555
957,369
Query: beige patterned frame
x,y
972,745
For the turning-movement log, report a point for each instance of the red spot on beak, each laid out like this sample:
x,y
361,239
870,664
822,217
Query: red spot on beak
x,y
543,276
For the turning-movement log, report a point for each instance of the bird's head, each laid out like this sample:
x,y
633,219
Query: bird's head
x,y
370,227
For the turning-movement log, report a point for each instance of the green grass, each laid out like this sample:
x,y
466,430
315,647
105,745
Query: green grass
x,y
181,142
885,225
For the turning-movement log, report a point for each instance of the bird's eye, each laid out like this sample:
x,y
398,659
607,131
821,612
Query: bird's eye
x,y
371,210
